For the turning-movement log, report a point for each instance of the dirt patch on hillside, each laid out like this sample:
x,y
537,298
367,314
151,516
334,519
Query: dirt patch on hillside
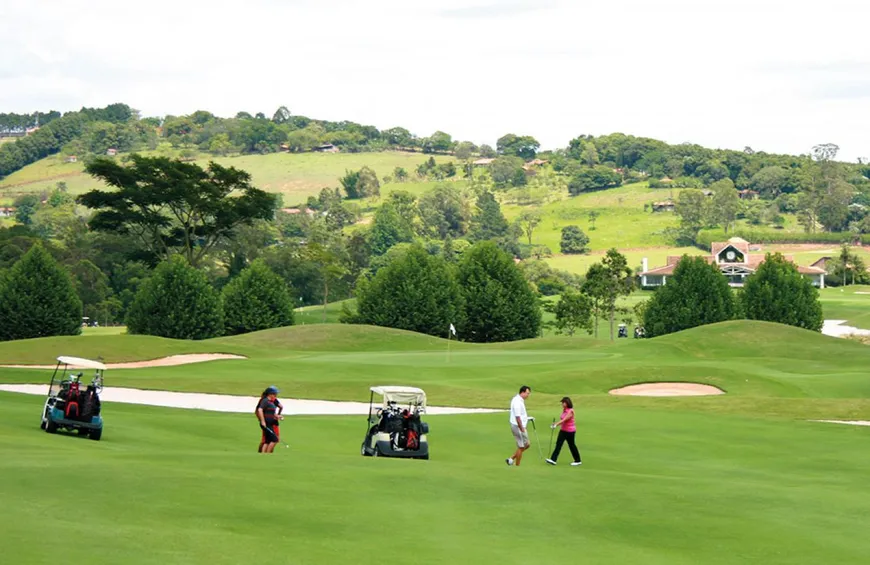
x,y
171,361
667,389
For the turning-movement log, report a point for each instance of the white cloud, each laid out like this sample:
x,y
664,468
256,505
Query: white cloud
x,y
774,75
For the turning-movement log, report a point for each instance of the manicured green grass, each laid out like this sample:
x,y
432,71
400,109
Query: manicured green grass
x,y
315,314
738,478
850,303
658,486
104,330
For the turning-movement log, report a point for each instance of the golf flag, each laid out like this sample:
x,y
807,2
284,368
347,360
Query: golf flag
x,y
452,329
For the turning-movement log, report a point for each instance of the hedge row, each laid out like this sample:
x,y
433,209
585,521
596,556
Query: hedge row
x,y
707,237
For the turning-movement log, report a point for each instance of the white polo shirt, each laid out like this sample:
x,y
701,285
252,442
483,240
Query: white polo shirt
x,y
518,408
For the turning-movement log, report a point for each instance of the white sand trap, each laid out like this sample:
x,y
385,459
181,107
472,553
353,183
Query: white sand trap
x,y
171,361
835,328
847,422
667,389
236,404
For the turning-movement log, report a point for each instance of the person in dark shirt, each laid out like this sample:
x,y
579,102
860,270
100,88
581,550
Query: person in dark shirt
x,y
268,412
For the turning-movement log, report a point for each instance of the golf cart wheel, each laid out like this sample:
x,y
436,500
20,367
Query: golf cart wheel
x,y
82,432
377,452
96,434
363,451
50,426
42,425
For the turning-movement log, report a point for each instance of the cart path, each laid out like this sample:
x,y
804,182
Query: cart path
x,y
847,422
235,404
171,361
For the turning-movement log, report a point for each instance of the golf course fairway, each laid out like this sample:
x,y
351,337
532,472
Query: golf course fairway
x,y
742,477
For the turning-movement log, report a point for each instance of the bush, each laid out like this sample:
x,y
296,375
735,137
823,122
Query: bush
x,y
573,240
416,292
257,299
707,237
696,294
176,302
38,299
778,293
499,304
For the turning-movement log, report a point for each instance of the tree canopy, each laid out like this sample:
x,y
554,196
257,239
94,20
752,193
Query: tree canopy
x,y
499,303
777,292
255,300
696,294
174,207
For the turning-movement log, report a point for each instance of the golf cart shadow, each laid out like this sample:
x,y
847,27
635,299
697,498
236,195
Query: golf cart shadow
x,y
394,429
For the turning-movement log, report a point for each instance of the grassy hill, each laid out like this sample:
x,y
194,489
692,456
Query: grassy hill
x,y
295,176
731,479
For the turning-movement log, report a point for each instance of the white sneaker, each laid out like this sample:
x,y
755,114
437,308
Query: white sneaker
x,y
509,461
551,462
576,463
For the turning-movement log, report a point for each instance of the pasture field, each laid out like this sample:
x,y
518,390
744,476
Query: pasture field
x,y
294,176
737,478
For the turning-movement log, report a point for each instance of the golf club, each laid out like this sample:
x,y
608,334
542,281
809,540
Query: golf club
x,y
534,427
552,429
277,439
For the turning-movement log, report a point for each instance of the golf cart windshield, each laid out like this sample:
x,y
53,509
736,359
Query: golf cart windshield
x,y
68,367
401,395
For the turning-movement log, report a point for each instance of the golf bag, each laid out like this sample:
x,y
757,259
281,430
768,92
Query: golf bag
x,y
72,411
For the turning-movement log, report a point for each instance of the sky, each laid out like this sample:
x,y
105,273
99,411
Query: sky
x,y
773,75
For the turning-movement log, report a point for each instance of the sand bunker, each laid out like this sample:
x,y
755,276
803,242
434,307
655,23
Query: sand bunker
x,y
235,404
847,422
170,361
667,389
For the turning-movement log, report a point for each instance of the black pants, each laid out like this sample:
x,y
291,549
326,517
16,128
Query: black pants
x,y
563,437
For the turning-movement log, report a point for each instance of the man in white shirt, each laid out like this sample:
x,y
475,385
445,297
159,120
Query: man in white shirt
x,y
519,419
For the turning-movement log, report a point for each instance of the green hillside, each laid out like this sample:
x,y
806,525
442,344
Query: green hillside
x,y
296,176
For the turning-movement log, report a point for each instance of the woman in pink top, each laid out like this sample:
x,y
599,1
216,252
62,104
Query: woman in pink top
x,y
567,431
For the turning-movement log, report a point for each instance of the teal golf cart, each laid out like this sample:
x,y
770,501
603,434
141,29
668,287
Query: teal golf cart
x,y
71,404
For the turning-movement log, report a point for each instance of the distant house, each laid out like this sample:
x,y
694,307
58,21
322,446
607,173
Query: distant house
x,y
308,211
31,131
483,162
71,159
707,192
666,179
326,148
747,194
111,152
734,261
284,147
7,211
822,263
537,163
664,206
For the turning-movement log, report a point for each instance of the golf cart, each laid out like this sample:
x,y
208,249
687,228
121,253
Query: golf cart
x,y
394,429
70,404
639,332
623,331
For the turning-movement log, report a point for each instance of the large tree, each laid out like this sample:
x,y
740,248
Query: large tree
x,y
415,292
444,211
172,207
726,203
616,280
522,146
488,222
696,294
573,312
38,299
499,303
178,302
257,299
693,210
777,292
388,229
573,240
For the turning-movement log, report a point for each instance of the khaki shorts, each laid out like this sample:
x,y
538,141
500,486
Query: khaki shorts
x,y
521,437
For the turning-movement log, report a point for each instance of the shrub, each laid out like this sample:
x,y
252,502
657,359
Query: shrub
x,y
573,240
499,303
416,292
176,302
257,299
38,299
777,292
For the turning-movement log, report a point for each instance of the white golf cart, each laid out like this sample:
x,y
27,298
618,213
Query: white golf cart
x,y
72,405
394,429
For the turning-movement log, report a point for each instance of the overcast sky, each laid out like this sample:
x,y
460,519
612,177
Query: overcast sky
x,y
774,75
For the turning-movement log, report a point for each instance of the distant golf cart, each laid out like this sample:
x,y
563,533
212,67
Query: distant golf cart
x,y
639,332
623,331
394,429
71,405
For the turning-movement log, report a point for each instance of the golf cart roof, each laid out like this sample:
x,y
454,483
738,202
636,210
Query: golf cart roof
x,y
78,362
401,394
